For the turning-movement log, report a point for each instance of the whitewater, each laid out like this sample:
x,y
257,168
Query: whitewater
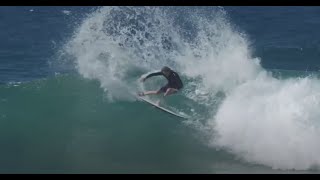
x,y
258,117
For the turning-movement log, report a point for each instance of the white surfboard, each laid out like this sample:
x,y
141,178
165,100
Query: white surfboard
x,y
162,108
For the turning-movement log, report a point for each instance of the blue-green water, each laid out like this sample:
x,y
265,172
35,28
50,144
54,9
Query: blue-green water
x,y
251,88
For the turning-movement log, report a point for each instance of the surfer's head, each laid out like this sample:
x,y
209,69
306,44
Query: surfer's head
x,y
166,70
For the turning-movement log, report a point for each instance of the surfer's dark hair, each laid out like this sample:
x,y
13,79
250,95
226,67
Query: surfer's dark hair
x,y
166,69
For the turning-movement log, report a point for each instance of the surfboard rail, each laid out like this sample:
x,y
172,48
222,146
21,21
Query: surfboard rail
x,y
162,108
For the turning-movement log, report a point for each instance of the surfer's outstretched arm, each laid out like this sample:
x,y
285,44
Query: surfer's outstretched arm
x,y
152,74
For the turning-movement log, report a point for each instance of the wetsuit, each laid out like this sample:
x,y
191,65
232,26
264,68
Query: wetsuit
x,y
174,81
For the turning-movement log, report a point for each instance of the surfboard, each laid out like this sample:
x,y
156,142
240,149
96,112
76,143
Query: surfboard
x,y
162,108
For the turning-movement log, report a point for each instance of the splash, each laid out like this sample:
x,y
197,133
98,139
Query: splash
x,y
272,122
114,44
259,118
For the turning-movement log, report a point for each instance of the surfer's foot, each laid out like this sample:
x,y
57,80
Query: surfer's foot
x,y
158,103
140,94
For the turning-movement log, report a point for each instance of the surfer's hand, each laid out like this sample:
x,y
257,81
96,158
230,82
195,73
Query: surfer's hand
x,y
142,79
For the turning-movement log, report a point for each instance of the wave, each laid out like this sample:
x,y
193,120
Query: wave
x,y
258,117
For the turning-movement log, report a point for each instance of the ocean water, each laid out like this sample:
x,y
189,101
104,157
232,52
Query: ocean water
x,y
251,87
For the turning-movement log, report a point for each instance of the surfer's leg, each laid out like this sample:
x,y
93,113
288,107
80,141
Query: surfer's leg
x,y
170,91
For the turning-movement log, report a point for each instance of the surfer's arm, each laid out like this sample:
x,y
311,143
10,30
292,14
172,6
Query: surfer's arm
x,y
152,74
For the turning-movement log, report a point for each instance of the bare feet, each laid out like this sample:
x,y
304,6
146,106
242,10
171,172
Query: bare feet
x,y
158,103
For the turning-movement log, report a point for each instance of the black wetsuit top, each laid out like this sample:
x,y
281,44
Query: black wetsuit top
x,y
174,80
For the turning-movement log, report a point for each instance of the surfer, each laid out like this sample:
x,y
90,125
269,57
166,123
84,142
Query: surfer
x,y
174,82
